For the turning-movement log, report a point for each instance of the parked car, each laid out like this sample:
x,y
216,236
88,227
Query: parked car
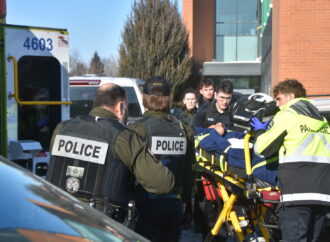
x,y
31,209
82,90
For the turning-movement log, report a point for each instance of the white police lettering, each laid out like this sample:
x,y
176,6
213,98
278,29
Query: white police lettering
x,y
168,145
80,149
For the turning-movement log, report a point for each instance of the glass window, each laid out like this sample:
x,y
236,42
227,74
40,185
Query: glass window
x,y
247,29
39,79
82,101
246,48
226,29
226,11
227,43
247,11
242,84
236,19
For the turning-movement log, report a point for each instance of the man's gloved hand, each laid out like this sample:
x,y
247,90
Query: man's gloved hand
x,y
257,124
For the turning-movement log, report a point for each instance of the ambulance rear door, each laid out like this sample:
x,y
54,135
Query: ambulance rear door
x,y
36,74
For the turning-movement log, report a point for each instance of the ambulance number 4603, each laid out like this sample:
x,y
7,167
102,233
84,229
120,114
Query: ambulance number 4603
x,y
38,44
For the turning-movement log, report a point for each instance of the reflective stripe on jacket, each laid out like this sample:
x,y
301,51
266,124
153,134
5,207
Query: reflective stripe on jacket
x,y
302,137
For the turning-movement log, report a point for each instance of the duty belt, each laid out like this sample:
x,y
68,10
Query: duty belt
x,y
116,212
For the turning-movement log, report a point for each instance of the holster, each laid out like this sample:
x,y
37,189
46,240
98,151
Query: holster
x,y
132,215
127,216
115,212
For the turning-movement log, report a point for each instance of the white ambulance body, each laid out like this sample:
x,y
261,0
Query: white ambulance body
x,y
82,90
34,91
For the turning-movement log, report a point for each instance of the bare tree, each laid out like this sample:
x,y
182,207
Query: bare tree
x,y
77,66
110,66
155,42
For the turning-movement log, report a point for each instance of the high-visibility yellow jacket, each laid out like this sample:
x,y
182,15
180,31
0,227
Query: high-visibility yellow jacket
x,y
302,137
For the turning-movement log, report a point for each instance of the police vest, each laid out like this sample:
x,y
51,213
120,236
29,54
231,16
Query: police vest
x,y
83,161
168,142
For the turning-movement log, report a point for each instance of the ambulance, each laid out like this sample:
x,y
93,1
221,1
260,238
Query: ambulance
x,y
82,90
34,92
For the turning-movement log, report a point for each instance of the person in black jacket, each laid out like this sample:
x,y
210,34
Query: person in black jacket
x,y
206,91
217,111
189,101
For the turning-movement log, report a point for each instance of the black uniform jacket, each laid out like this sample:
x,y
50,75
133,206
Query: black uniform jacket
x,y
134,153
209,115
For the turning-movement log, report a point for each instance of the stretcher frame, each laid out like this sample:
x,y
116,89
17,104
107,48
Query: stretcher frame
x,y
231,189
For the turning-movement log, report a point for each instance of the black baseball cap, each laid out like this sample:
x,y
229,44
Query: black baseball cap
x,y
157,86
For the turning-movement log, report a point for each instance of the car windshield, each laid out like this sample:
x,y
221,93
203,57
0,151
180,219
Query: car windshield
x,y
82,101
31,206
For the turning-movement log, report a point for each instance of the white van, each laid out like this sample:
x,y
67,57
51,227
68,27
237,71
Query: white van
x,y
82,90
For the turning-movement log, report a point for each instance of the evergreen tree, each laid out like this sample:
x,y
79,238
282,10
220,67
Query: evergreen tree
x,y
96,66
155,42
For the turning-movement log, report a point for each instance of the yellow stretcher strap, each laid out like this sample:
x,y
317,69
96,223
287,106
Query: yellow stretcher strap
x,y
222,161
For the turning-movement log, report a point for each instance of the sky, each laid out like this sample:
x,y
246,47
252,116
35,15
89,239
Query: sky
x,y
94,25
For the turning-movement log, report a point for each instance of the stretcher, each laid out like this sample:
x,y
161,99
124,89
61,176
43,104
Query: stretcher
x,y
246,207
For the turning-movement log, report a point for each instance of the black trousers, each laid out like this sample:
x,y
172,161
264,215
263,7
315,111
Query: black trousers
x,y
302,223
160,220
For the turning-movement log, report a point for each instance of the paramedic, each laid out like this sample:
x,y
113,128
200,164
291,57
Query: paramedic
x,y
118,154
189,101
302,137
172,142
217,111
206,91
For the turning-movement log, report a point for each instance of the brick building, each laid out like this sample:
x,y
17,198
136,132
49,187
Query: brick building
x,y
258,43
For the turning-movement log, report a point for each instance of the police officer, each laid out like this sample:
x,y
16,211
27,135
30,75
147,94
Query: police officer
x,y
171,141
217,111
206,91
190,109
302,137
96,158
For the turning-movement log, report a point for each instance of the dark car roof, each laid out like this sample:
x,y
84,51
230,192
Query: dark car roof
x,y
31,207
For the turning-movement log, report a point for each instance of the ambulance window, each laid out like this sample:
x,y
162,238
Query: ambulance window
x,y
39,79
134,109
82,100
